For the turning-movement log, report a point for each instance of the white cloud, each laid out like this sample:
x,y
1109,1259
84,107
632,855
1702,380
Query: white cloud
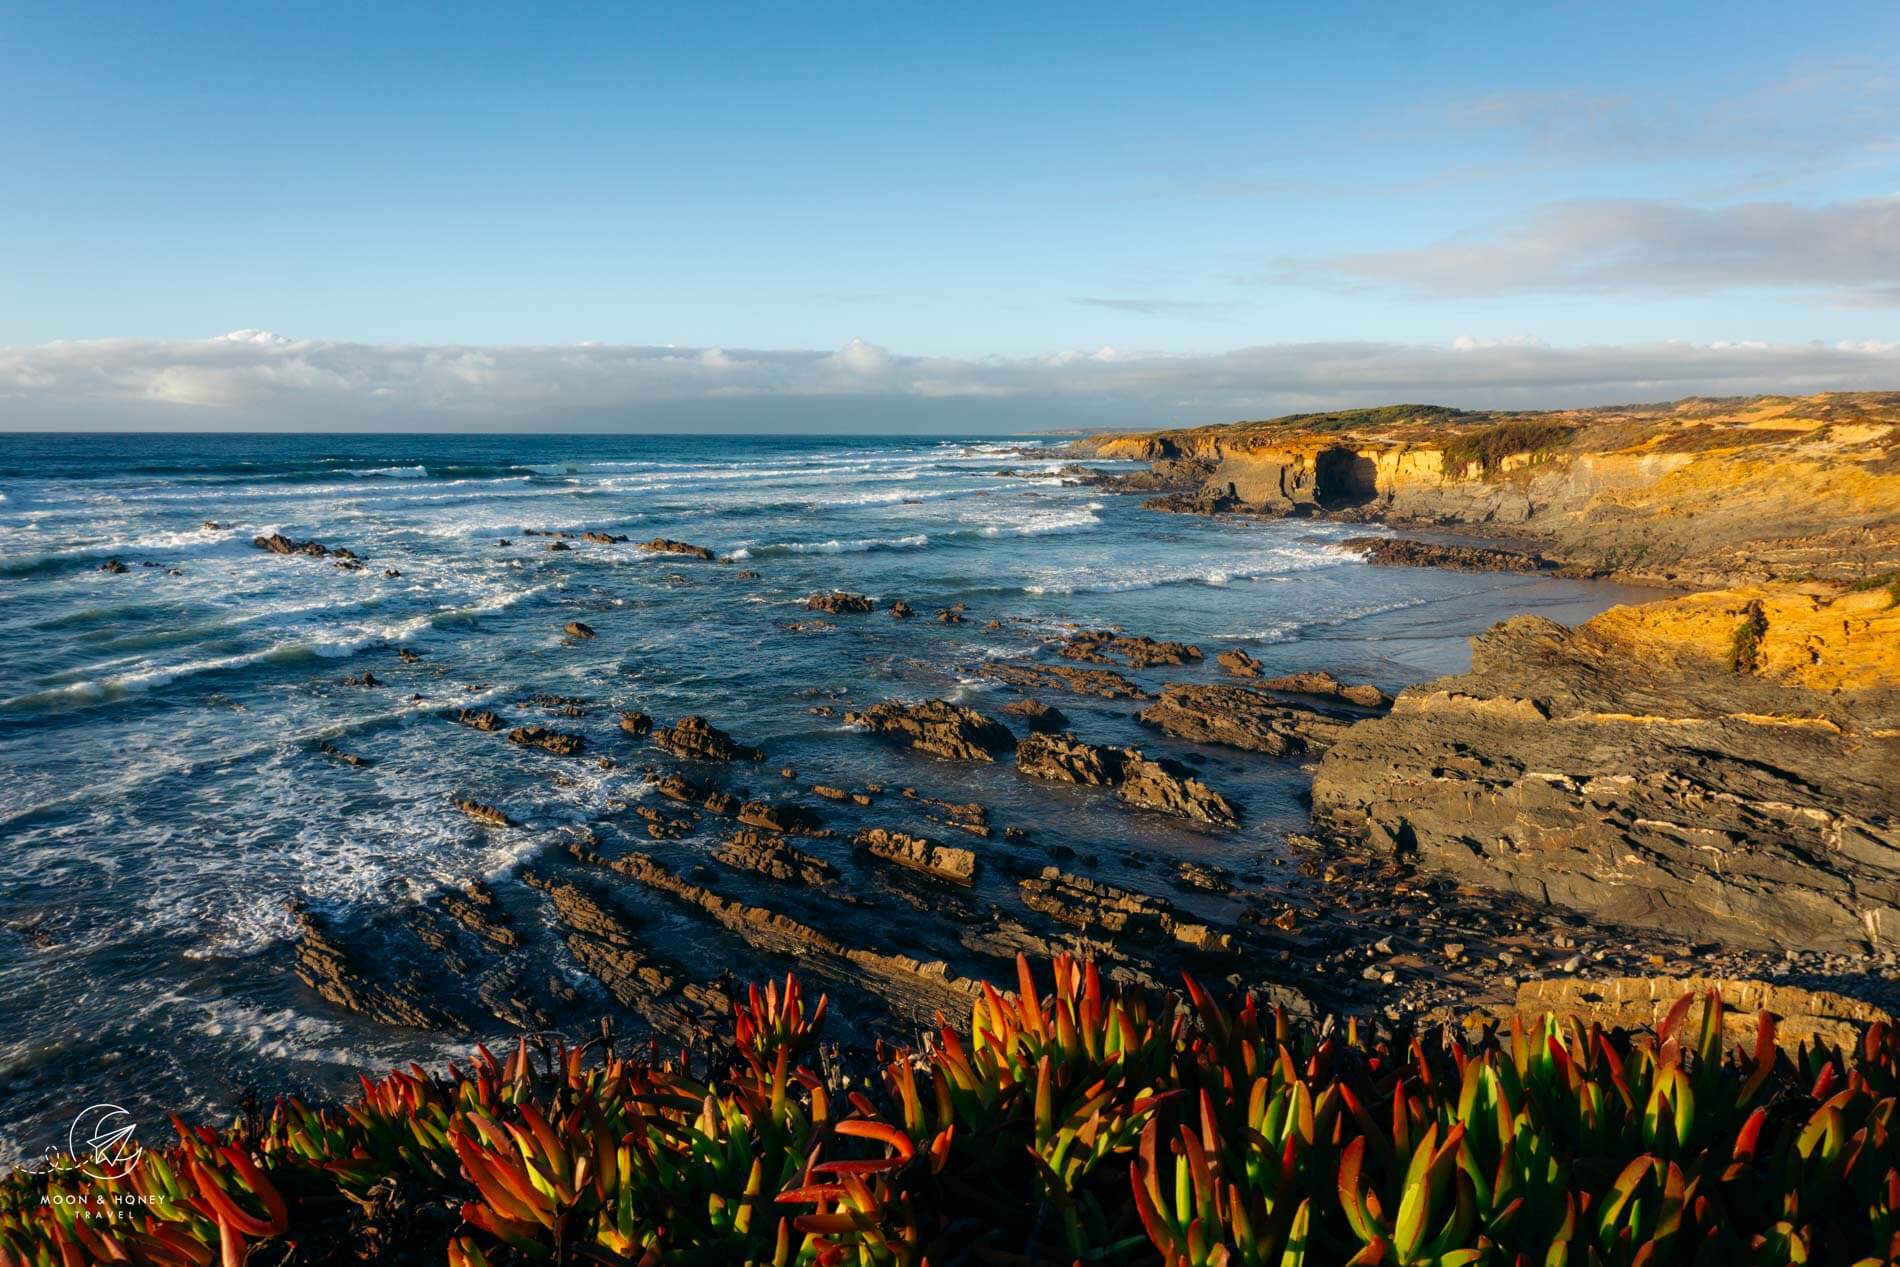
x,y
1847,251
282,383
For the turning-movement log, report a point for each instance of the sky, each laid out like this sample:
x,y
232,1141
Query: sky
x,y
968,217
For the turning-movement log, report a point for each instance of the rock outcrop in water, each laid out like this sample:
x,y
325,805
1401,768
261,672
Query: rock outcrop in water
x,y
1152,783
1722,766
1240,717
938,727
1324,685
560,743
838,603
693,736
662,545
1137,651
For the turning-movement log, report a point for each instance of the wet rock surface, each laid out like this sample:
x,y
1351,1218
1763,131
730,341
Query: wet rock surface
x,y
662,545
694,737
839,603
1103,682
943,862
938,727
1325,685
1137,651
560,743
1402,552
1240,717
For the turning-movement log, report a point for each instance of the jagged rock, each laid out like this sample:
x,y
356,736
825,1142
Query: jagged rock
x,y
1400,552
945,862
1041,718
692,736
1066,759
677,787
602,538
768,854
407,655
838,603
114,567
746,574
781,816
661,545
1137,651
1103,682
475,908
560,743
1168,786
578,629
1327,686
949,616
484,720
1090,904
900,610
1238,663
1205,875
365,678
639,725
278,543
908,983
1622,770
487,815
559,545
1240,717
937,726
331,750
343,976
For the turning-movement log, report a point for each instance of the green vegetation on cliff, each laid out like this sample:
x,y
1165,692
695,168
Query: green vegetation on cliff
x,y
1487,449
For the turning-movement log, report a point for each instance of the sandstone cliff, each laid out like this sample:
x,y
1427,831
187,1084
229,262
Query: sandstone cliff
x,y
1699,492
1723,765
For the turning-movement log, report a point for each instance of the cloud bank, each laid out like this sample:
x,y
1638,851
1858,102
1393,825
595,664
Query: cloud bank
x,y
1846,252
255,380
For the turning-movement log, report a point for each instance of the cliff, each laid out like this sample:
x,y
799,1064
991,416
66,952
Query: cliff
x,y
1720,765
1698,492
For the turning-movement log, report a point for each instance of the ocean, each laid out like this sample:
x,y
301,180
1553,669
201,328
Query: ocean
x,y
161,728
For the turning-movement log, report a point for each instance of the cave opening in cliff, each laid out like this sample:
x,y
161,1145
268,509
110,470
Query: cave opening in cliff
x,y
1343,479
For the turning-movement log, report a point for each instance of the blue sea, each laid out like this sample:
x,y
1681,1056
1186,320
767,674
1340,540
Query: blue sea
x,y
165,789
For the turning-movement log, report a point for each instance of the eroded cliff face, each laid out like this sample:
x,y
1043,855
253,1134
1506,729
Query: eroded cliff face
x,y
1721,765
1700,493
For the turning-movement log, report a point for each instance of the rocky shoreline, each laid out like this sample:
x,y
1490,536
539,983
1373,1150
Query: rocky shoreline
x,y
1696,789
1723,767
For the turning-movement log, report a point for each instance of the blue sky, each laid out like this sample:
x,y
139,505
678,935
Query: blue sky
x,y
953,182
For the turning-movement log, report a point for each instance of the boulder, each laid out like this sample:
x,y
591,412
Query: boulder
x,y
1168,786
637,724
662,545
1041,718
1326,686
937,726
560,743
1238,663
838,603
944,862
1066,759
578,629
1137,651
1240,717
693,736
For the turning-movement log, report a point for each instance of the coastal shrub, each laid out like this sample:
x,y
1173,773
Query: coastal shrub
x,y
1889,581
1064,1123
1361,419
1745,650
1487,447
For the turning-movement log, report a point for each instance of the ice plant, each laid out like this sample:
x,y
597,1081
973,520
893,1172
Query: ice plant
x,y
1067,1122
